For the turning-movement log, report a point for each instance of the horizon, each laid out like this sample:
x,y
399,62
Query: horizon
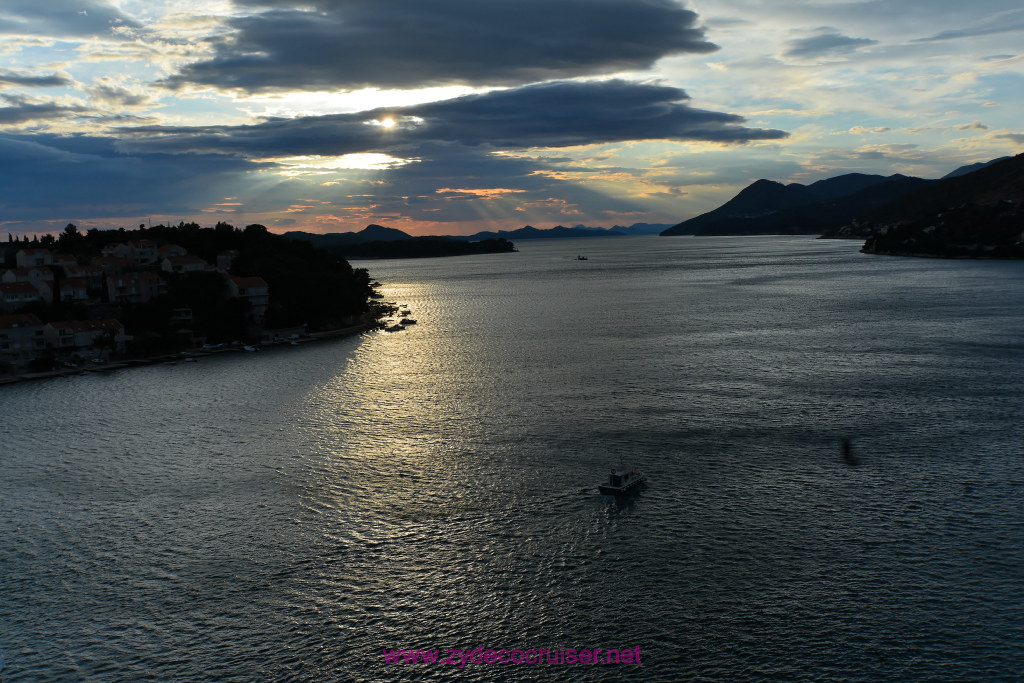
x,y
329,116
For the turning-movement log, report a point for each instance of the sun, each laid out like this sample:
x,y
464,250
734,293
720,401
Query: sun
x,y
388,123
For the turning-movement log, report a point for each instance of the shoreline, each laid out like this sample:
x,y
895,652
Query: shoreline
x,y
180,356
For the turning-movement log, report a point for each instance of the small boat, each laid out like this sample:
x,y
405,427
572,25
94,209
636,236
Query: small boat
x,y
581,258
407,321
249,347
622,480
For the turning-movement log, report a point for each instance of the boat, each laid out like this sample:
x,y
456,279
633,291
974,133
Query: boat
x,y
581,258
249,347
407,321
622,480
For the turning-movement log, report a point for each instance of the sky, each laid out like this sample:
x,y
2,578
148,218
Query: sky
x,y
455,116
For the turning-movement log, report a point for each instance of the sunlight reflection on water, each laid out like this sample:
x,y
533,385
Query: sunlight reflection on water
x,y
289,515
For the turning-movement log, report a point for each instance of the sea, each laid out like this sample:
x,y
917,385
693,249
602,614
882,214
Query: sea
x,y
319,512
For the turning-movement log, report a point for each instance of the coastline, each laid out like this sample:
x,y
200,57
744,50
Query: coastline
x,y
185,355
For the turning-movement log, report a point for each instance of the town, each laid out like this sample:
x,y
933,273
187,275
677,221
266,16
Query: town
x,y
88,298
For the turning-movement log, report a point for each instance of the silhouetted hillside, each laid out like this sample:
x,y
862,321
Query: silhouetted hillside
x,y
767,207
980,214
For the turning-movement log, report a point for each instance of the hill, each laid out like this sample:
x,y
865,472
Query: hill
x,y
767,207
977,214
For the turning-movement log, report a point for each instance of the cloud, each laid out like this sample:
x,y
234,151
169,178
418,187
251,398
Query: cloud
x,y
61,18
353,44
556,114
1016,138
21,110
456,144
27,80
51,176
825,45
999,22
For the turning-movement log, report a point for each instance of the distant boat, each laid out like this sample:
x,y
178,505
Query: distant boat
x,y
622,480
248,347
581,258
407,321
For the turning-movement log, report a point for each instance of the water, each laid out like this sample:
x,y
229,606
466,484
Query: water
x,y
290,514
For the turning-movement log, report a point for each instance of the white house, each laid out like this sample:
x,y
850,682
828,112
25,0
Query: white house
x,y
64,260
27,274
139,252
94,274
184,264
85,335
34,257
16,295
254,290
171,250
75,289
135,288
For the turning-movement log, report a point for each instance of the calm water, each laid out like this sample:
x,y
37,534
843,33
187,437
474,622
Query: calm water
x,y
289,515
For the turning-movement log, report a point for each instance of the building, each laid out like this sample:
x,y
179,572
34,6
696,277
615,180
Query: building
x,y
226,259
135,288
21,339
17,295
75,290
139,252
88,336
94,274
27,274
64,260
184,264
27,258
114,264
171,250
254,290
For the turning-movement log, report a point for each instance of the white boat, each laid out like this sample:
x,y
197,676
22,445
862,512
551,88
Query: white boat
x,y
622,480
249,347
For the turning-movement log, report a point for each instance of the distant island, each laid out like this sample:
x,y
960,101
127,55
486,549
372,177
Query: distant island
x,y
974,211
377,241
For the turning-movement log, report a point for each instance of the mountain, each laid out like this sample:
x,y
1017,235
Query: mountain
x,y
971,168
531,233
371,233
640,229
379,233
767,207
977,214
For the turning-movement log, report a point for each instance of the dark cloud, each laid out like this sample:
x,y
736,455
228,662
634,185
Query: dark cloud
x,y
60,18
825,45
352,44
556,114
51,176
32,81
1016,138
20,110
